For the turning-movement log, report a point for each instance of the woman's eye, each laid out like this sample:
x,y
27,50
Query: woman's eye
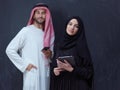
x,y
77,26
70,23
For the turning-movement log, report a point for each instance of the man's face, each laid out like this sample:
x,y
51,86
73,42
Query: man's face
x,y
39,16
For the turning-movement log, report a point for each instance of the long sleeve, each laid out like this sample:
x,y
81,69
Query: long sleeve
x,y
12,51
85,71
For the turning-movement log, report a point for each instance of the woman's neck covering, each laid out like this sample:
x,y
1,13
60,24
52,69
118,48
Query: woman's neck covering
x,y
78,40
79,43
48,27
70,41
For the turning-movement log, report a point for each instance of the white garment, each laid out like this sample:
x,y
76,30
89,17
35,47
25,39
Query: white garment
x,y
29,43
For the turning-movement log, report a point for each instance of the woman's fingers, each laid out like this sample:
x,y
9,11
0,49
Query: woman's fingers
x,y
66,61
57,71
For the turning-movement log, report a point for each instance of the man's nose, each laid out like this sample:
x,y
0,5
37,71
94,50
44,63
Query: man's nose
x,y
40,15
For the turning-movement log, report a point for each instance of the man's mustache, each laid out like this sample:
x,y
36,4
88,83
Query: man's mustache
x,y
40,18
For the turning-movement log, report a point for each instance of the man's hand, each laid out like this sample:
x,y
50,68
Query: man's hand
x,y
30,66
47,53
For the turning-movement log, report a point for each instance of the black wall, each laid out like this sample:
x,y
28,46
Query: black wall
x,y
102,26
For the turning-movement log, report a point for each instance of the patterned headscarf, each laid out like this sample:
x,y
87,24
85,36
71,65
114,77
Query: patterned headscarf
x,y
48,27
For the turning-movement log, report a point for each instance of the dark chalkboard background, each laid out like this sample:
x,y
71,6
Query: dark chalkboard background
x,y
102,27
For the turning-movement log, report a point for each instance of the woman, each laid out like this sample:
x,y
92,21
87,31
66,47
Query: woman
x,y
64,75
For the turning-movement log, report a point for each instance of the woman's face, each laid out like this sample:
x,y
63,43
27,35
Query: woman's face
x,y
72,27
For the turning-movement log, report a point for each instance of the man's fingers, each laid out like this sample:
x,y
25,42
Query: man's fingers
x,y
34,67
47,53
30,66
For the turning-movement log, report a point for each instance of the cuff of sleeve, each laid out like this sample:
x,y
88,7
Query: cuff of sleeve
x,y
74,70
24,66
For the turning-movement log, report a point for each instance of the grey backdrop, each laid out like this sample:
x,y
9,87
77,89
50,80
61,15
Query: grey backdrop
x,y
102,26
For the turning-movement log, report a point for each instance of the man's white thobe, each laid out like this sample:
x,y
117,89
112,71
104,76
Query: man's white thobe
x,y
25,49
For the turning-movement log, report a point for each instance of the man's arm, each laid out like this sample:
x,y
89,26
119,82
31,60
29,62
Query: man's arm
x,y
12,51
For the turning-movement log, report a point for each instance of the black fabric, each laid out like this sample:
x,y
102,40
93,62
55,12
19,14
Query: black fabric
x,y
82,76
40,5
70,41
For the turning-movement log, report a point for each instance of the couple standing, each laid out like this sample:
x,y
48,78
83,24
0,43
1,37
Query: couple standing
x,y
32,48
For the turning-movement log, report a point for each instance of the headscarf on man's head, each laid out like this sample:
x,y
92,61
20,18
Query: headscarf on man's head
x,y
48,27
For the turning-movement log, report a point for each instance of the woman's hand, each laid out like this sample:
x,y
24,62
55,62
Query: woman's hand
x,y
65,65
30,66
57,71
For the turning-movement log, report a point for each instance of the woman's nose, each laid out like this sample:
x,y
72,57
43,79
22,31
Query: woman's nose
x,y
72,27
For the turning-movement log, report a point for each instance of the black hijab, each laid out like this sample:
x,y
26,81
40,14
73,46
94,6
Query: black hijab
x,y
68,40
79,42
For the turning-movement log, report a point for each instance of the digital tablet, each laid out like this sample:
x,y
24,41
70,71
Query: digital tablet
x,y
70,59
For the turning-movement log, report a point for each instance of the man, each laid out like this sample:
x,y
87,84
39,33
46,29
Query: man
x,y
31,49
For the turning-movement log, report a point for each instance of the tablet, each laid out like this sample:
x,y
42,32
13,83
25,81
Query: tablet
x,y
70,59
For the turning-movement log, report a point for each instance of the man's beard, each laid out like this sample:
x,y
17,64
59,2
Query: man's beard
x,y
39,21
